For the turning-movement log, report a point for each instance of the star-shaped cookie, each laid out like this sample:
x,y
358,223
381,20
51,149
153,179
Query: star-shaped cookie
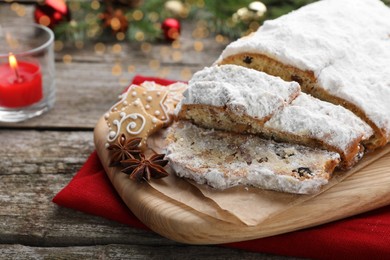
x,y
152,100
132,120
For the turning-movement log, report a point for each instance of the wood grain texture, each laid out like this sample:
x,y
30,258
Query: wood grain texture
x,y
366,189
34,167
43,152
128,252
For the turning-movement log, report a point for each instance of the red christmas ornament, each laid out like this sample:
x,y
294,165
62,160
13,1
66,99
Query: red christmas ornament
x,y
171,29
51,12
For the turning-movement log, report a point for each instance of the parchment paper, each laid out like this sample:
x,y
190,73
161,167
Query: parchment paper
x,y
241,205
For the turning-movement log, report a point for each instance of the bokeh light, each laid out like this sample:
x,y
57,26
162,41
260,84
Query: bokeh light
x,y
67,58
116,70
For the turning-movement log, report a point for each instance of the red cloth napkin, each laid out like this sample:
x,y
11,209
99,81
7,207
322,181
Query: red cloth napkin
x,y
365,236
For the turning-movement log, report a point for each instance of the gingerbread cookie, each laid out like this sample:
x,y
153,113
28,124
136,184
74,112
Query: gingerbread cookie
x,y
175,91
175,94
152,100
142,110
132,120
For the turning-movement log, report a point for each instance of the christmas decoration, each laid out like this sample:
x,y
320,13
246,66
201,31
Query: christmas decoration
x,y
254,12
115,20
175,7
171,29
258,7
138,20
51,12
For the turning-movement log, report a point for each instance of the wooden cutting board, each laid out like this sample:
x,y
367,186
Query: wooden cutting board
x,y
367,189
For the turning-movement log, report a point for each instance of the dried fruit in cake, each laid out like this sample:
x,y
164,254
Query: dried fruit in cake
x,y
222,160
257,103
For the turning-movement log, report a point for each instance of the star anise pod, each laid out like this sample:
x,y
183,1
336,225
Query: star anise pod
x,y
145,169
124,149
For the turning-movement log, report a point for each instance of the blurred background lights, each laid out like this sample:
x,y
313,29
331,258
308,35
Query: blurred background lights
x,y
67,58
116,70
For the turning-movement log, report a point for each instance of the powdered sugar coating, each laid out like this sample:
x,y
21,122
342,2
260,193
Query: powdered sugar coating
x,y
234,75
223,160
243,91
364,81
241,101
334,113
319,120
326,30
345,43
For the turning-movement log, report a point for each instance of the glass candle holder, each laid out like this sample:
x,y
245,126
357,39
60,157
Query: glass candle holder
x,y
27,72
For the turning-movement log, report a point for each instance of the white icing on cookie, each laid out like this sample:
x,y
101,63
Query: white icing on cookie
x,y
149,99
131,125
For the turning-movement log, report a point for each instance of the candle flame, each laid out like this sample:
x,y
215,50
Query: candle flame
x,y
12,61
14,65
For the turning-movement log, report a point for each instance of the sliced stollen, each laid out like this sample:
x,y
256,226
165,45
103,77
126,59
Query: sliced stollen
x,y
222,160
338,51
316,122
231,74
249,108
244,92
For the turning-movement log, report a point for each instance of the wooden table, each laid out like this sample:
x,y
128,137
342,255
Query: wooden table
x,y
40,156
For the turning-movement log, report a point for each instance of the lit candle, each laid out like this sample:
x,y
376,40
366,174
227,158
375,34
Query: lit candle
x,y
20,83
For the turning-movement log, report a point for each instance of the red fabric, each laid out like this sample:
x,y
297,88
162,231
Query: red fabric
x,y
138,79
91,191
365,236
